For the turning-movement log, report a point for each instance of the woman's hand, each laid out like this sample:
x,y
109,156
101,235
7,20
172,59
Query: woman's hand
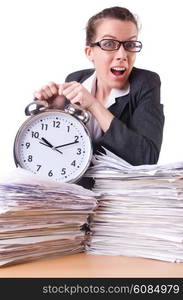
x,y
77,94
55,95
50,93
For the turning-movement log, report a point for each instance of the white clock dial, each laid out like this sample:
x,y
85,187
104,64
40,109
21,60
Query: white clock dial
x,y
54,144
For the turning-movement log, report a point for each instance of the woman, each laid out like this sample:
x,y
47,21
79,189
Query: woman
x,y
126,116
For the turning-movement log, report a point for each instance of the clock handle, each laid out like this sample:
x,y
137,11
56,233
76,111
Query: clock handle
x,y
36,107
77,112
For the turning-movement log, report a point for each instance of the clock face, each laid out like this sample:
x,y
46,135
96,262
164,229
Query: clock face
x,y
53,144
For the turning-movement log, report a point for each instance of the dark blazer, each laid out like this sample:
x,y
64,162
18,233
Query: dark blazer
x,y
136,132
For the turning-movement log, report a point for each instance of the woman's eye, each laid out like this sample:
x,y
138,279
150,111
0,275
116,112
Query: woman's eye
x,y
130,44
109,44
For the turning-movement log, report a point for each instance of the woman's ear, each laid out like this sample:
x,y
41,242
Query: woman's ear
x,y
89,52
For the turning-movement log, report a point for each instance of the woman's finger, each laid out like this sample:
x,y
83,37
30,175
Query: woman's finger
x,y
71,88
38,96
77,99
53,88
46,90
44,95
72,94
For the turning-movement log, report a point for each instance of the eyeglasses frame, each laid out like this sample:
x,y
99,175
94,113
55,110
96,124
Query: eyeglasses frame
x,y
120,43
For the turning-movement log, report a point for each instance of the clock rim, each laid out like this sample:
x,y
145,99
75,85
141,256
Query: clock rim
x,y
36,116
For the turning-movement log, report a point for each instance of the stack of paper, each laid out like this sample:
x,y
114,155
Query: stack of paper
x,y
40,219
140,211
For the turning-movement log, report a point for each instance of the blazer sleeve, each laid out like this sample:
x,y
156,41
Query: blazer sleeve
x,y
139,140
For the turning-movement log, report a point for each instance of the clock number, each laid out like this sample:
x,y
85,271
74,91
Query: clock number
x,y
76,138
39,166
63,171
44,126
30,158
79,151
50,173
68,128
35,134
27,145
56,124
73,163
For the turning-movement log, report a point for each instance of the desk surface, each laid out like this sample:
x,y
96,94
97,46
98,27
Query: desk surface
x,y
87,265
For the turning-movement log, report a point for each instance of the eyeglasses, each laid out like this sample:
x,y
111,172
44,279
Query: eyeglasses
x,y
112,45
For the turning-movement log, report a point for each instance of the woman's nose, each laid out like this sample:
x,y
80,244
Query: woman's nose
x,y
121,53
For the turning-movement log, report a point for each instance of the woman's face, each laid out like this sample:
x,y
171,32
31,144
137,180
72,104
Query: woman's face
x,y
106,62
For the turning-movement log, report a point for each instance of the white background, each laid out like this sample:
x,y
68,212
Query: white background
x,y
43,40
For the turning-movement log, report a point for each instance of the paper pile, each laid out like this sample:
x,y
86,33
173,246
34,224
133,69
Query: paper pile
x,y
40,219
140,211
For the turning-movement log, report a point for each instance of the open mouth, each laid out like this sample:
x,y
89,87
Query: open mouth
x,y
117,71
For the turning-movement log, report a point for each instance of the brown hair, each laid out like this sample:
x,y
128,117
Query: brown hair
x,y
116,12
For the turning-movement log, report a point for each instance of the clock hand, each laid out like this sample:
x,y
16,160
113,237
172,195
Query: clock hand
x,y
48,144
58,151
66,144
45,144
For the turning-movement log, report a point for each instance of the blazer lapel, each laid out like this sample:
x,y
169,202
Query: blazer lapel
x,y
118,107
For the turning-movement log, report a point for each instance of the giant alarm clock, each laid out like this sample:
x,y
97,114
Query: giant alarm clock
x,y
54,143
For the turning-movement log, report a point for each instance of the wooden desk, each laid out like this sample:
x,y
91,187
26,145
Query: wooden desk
x,y
96,266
